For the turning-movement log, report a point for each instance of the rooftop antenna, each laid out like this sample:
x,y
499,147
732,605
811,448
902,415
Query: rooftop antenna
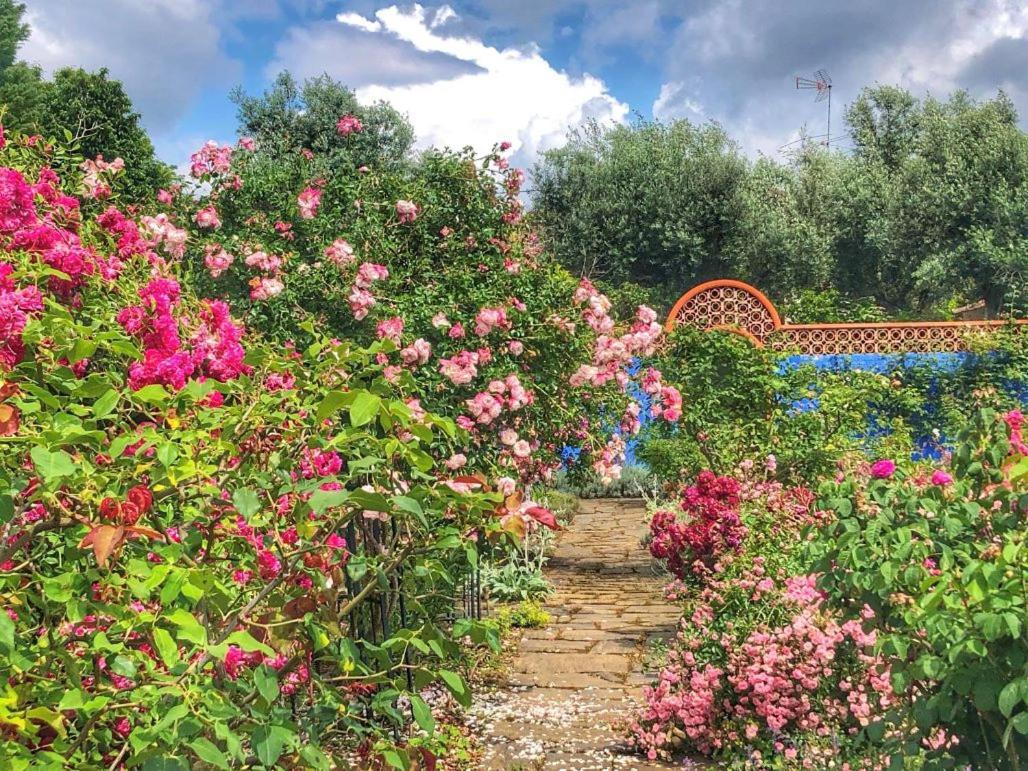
x,y
822,84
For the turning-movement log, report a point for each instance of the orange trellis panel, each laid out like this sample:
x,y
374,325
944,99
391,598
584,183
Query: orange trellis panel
x,y
740,308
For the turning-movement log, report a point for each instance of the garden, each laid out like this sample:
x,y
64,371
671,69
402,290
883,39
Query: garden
x,y
288,438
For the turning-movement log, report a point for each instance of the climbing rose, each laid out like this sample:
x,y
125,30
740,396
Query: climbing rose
x,y
309,201
406,211
941,478
208,218
349,124
339,253
883,469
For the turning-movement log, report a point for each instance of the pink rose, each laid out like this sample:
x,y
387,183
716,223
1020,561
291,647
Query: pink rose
x,y
883,469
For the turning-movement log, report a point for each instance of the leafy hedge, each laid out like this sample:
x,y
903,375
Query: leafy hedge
x,y
215,549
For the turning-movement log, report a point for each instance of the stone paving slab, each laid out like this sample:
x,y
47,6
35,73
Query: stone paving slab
x,y
575,681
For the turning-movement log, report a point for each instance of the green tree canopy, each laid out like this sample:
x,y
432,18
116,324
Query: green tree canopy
x,y
290,117
98,112
91,106
929,210
652,203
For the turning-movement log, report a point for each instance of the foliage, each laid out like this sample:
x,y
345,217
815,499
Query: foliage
x,y
811,306
710,529
926,211
206,536
435,259
13,31
635,481
290,117
527,614
763,673
648,203
88,114
518,574
942,560
743,403
929,204
100,116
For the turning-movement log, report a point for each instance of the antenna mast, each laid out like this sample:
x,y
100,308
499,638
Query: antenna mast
x,y
822,84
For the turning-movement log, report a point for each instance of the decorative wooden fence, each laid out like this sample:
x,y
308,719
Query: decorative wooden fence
x,y
742,309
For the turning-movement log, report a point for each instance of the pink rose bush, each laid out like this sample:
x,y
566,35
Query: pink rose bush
x,y
763,671
938,554
203,534
476,321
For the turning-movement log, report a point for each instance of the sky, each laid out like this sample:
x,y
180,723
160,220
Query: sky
x,y
477,72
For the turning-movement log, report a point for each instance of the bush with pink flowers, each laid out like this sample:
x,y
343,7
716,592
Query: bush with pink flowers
x,y
204,537
482,325
709,529
942,558
763,671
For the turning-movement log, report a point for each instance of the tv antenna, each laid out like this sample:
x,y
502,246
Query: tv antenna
x,y
822,84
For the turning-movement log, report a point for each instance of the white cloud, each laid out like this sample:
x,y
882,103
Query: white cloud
x,y
356,20
349,51
675,100
443,14
164,51
509,94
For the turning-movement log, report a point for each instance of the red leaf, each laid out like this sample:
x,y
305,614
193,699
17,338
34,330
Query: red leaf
x,y
9,416
104,539
543,517
136,530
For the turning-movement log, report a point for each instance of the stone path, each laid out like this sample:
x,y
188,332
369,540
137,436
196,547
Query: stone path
x,y
574,678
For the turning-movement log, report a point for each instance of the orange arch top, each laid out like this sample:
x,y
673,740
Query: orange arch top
x,y
672,318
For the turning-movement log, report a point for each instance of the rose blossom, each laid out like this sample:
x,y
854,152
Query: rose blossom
x,y
406,211
883,469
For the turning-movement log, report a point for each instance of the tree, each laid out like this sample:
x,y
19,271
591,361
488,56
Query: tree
x,y
932,206
653,203
13,31
782,242
98,112
91,106
21,84
291,117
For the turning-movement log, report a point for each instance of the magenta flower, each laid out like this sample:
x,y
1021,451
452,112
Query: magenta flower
x,y
941,478
883,469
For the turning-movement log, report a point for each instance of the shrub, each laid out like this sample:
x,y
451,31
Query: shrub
x,y
212,548
712,526
435,259
941,558
763,672
527,614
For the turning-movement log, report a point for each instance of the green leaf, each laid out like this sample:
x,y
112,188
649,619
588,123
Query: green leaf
x,y
189,628
166,763
105,404
6,633
208,752
332,403
246,502
323,500
1008,697
315,758
151,394
167,453
268,742
52,465
266,680
396,759
364,408
166,647
248,643
456,685
422,714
